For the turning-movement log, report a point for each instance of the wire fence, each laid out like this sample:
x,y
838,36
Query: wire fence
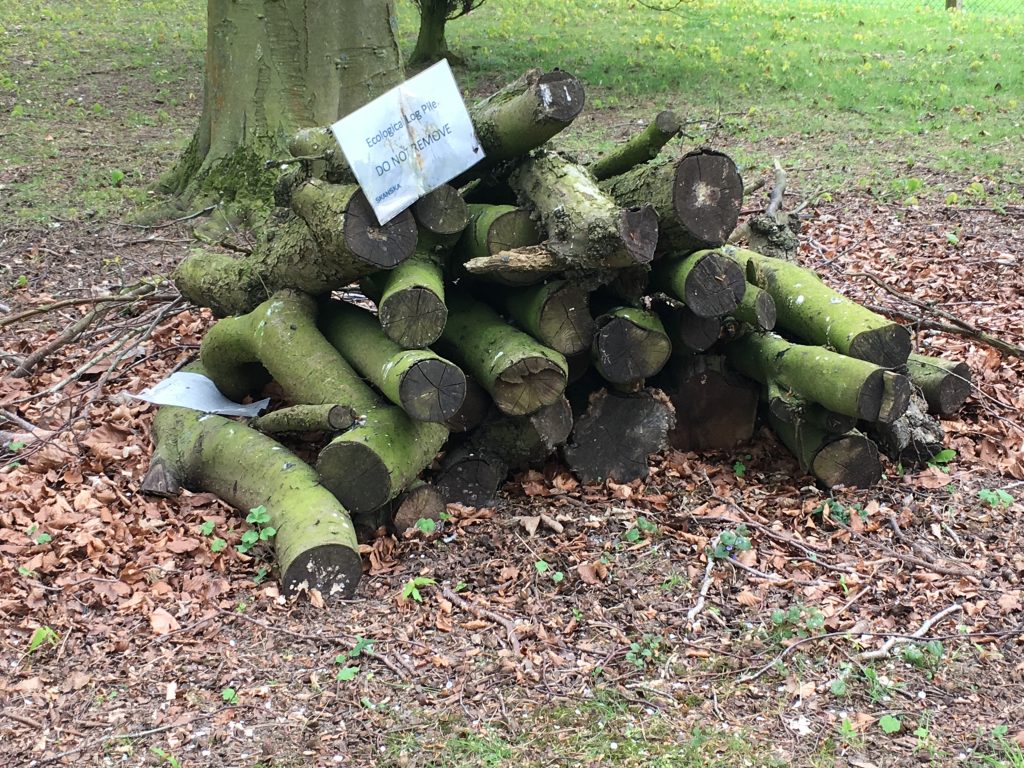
x,y
982,7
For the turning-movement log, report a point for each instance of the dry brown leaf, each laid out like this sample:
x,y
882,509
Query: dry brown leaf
x,y
530,524
162,622
592,573
747,598
1009,602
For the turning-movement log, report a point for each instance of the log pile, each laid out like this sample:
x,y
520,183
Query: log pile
x,y
536,307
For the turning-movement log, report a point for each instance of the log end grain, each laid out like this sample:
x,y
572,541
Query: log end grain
x,y
638,228
432,390
414,317
888,346
528,385
850,460
383,245
707,196
355,474
714,286
332,569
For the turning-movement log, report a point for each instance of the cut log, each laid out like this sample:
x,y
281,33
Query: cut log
x,y
697,199
706,282
715,407
584,226
421,502
315,542
946,384
372,463
280,337
850,460
756,308
410,301
345,227
914,438
629,346
640,148
805,306
319,152
690,333
556,313
524,115
495,229
441,214
470,477
617,434
328,417
422,383
522,441
475,408
520,373
792,409
842,384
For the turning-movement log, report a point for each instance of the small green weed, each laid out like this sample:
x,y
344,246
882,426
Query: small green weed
x,y
542,567
996,498
258,518
796,621
42,636
730,541
942,459
889,724
349,671
926,656
166,757
411,588
643,527
426,526
644,652
229,696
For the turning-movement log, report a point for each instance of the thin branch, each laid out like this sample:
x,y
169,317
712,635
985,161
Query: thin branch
x,y
483,613
45,308
705,584
882,652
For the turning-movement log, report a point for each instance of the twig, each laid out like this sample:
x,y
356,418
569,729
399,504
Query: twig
x,y
26,721
705,584
887,646
14,418
43,309
483,613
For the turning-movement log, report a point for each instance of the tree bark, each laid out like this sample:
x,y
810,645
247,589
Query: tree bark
x,y
426,386
697,199
272,67
613,439
639,149
842,384
706,282
315,542
584,226
946,384
810,309
327,417
520,374
793,409
629,346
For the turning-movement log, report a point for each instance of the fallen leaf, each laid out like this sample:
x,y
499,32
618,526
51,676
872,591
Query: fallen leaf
x,y
747,598
1009,602
592,573
530,524
162,622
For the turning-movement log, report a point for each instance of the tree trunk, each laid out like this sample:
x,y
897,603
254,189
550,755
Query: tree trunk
x,y
756,309
431,45
315,542
614,438
697,198
273,67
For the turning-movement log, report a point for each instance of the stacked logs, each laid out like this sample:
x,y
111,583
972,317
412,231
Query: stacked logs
x,y
536,305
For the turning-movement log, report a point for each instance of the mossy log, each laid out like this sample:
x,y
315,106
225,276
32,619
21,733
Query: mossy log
x,y
715,407
410,300
697,198
706,282
629,346
320,155
808,308
441,215
640,148
370,464
315,542
425,385
846,385
584,226
346,229
327,417
613,439
523,115
556,313
496,229
850,460
946,384
690,333
793,409
520,373
756,308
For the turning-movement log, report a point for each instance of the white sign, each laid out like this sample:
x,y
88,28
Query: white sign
x,y
409,141
195,391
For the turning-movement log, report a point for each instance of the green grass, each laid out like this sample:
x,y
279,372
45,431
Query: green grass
x,y
604,730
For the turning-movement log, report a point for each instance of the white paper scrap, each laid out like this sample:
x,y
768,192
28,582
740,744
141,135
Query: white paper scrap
x,y
195,391
409,141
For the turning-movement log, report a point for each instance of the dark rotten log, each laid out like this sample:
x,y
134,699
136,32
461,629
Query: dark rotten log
x,y
715,407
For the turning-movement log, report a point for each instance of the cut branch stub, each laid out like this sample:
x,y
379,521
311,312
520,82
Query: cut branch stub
x,y
584,226
410,301
807,307
613,439
629,346
946,384
526,113
441,214
327,417
842,384
706,282
345,226
756,308
850,460
697,198
315,543
280,337
425,385
640,148
494,229
371,464
556,314
521,374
